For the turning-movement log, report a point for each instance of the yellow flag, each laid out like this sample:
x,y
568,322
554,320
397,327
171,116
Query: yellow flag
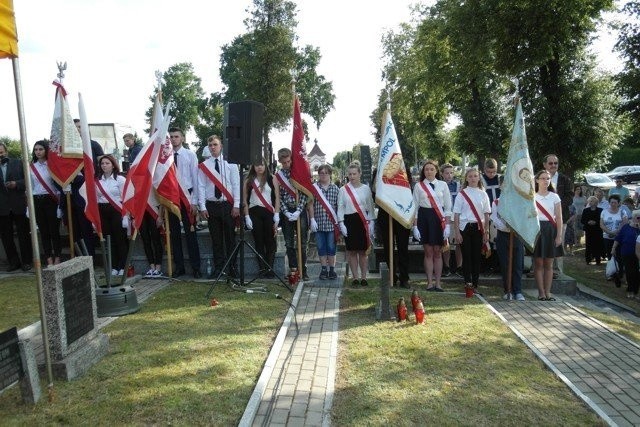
x,y
8,33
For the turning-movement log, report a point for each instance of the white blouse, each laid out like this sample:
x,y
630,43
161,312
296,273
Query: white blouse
x,y
36,186
254,200
442,196
362,195
113,187
480,200
548,202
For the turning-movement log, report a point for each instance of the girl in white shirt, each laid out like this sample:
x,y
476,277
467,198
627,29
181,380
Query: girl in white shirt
x,y
549,243
109,192
471,228
356,229
431,223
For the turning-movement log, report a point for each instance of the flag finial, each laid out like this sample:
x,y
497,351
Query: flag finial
x,y
388,97
159,80
62,66
516,96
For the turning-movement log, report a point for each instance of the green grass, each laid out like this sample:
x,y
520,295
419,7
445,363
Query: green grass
x,y
19,302
464,367
176,361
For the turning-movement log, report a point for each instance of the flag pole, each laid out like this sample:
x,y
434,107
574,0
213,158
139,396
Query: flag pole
x,y
107,273
167,228
510,263
70,224
391,281
132,240
298,227
32,224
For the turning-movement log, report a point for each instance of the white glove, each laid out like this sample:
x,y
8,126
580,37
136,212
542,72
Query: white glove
x,y
313,225
276,219
295,215
248,222
125,221
26,212
343,229
416,232
59,213
289,216
447,231
372,229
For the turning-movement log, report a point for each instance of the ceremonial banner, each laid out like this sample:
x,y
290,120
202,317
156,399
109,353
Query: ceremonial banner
x,y
165,180
393,189
140,176
300,171
8,33
88,189
517,207
65,149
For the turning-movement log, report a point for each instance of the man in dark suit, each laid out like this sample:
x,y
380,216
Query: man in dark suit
x,y
13,206
564,188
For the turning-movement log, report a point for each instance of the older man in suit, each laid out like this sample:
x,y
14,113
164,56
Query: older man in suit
x,y
13,206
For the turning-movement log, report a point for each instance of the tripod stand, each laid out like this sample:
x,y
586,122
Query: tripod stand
x,y
238,249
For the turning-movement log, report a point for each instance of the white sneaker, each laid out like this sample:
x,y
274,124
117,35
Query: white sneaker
x,y
157,273
114,272
150,272
121,273
507,297
520,297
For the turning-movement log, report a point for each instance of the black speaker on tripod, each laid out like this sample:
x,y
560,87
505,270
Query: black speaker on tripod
x,y
243,125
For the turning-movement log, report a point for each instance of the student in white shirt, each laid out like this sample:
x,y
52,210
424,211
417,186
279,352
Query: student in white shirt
x,y
549,243
109,194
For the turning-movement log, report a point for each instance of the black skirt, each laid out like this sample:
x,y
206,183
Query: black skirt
x,y
545,245
356,239
430,227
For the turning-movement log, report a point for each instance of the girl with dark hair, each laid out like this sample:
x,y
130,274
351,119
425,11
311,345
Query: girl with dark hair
x,y
45,202
549,243
262,211
109,193
431,223
471,223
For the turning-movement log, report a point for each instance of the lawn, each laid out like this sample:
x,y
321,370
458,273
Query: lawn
x,y
463,367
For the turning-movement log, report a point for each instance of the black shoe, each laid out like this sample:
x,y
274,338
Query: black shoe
x,y
269,275
197,274
405,284
13,268
178,272
446,272
355,282
324,275
332,275
364,282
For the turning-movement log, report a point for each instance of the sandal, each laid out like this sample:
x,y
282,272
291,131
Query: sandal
x,y
550,299
542,299
355,282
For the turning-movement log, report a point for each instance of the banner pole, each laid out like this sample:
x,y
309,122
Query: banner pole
x,y
299,242
510,263
70,224
167,241
391,281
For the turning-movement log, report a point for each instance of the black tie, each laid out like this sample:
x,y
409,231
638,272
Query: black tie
x,y
432,185
218,193
175,159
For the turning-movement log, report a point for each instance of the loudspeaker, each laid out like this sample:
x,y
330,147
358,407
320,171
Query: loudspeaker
x,y
243,123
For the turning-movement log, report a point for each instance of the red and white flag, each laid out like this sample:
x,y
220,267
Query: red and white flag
x,y
165,179
300,170
65,149
88,189
140,176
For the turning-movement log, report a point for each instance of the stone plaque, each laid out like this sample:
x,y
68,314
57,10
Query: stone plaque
x,y
78,308
10,361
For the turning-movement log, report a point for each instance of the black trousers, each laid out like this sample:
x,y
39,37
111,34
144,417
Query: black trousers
x,y
7,223
401,240
48,224
222,230
176,240
151,239
263,234
112,226
471,253
631,270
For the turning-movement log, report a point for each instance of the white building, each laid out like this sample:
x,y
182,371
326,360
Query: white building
x,y
316,157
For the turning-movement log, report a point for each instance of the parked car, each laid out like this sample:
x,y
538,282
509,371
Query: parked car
x,y
592,180
628,174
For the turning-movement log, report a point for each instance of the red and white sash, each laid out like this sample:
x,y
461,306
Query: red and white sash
x,y
474,210
215,177
546,213
267,204
44,183
286,184
117,204
327,207
432,200
358,209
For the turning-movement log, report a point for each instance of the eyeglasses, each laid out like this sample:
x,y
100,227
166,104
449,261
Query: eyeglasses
x,y
552,163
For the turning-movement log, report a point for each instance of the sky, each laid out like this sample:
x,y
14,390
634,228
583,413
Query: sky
x,y
113,48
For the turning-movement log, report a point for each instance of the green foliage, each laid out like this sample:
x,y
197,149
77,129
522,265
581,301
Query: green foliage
x,y
257,65
628,80
14,148
182,87
211,111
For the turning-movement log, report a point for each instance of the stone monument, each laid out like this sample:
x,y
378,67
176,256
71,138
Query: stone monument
x,y
70,305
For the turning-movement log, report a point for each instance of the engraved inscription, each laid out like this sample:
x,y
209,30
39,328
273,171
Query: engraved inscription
x,y
10,362
76,296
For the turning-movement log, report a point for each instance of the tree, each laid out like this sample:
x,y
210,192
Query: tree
x,y
211,112
628,80
14,148
257,65
182,87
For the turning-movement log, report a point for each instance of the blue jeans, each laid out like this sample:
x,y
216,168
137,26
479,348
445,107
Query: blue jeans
x,y
502,243
326,243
